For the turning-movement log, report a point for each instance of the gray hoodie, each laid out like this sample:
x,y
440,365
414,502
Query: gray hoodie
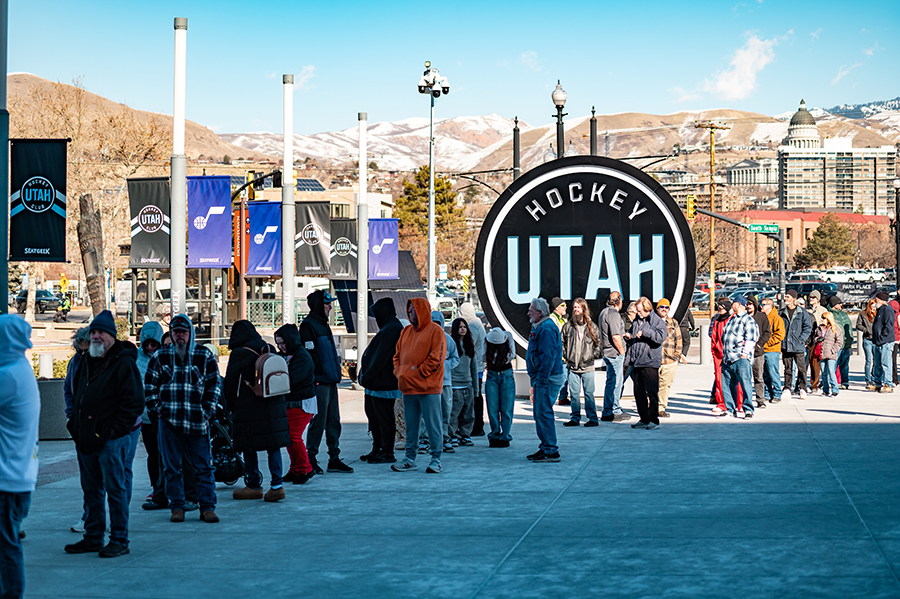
x,y
467,311
20,408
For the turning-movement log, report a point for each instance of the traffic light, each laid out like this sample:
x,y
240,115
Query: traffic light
x,y
691,209
276,179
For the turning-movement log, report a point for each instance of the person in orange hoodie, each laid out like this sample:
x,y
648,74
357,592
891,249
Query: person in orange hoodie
x,y
419,368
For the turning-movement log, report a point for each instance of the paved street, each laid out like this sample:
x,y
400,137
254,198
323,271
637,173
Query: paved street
x,y
803,501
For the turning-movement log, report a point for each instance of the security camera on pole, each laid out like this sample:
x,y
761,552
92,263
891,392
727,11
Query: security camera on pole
x,y
432,84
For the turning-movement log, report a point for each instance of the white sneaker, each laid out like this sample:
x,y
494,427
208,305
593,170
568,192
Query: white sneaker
x,y
739,415
802,393
785,395
718,410
78,527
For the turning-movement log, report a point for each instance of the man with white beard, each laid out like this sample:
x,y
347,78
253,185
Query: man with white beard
x,y
183,388
107,401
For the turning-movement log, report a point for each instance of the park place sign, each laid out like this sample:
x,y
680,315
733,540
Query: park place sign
x,y
582,227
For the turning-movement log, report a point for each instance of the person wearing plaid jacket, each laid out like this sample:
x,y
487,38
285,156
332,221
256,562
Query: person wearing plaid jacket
x,y
671,355
739,342
182,387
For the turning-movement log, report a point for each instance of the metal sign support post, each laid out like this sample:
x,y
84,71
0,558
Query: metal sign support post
x,y
288,209
362,247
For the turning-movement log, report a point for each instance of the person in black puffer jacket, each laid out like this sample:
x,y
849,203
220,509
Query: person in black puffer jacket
x,y
376,375
301,401
260,423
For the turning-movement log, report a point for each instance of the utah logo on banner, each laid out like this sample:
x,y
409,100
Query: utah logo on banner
x,y
37,201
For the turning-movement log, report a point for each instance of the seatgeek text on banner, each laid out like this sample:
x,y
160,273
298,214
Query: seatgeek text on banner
x,y
209,222
37,201
264,257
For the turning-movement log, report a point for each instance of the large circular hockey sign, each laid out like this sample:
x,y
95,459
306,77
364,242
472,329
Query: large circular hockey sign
x,y
582,227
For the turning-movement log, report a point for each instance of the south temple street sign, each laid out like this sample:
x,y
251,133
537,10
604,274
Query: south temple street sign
x,y
582,227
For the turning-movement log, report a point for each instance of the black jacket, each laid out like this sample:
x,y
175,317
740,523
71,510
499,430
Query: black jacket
x,y
765,331
300,366
108,398
883,327
579,355
260,423
376,371
318,340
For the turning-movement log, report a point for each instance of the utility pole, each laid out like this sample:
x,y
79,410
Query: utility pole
x,y
711,127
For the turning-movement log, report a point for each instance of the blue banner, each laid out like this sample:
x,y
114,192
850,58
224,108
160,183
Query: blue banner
x,y
264,258
383,249
209,222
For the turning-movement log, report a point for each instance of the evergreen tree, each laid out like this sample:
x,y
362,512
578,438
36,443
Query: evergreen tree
x,y
412,206
831,245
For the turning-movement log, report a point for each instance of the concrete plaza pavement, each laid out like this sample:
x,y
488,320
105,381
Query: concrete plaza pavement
x,y
802,501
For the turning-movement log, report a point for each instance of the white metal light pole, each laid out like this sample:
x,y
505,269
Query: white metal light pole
x,y
362,247
178,224
288,220
4,153
433,84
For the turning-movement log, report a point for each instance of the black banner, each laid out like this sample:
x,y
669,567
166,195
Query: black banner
x,y
37,201
312,241
150,235
344,251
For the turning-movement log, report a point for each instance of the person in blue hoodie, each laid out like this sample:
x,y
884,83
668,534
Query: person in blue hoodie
x,y
450,362
20,410
543,361
150,341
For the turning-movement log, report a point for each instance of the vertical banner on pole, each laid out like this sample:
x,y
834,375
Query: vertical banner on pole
x,y
149,199
383,250
312,241
343,249
264,257
37,201
209,226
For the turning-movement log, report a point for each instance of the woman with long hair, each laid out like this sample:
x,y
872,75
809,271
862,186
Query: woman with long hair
x,y
645,339
832,341
463,379
580,347
500,388
864,323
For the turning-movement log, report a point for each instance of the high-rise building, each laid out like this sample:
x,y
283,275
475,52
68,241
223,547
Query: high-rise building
x,y
832,174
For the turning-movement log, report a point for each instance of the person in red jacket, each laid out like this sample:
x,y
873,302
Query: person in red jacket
x,y
716,328
895,305
419,368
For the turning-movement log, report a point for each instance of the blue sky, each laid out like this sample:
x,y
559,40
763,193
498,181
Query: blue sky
x,y
500,57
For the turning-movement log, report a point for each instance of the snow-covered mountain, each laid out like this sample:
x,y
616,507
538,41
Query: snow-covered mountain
x,y
395,145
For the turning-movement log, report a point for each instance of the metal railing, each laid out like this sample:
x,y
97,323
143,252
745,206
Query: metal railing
x,y
267,313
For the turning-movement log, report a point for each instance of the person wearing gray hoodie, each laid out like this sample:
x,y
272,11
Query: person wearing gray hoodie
x,y
467,311
151,340
450,362
20,409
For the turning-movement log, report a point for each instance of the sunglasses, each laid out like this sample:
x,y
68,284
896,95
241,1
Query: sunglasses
x,y
662,307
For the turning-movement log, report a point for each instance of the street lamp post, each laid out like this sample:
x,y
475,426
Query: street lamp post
x,y
897,228
433,84
559,96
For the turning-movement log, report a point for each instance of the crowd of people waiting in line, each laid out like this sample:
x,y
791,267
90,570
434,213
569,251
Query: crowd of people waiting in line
x,y
425,393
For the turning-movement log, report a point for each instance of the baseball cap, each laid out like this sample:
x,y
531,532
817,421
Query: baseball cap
x,y
663,302
180,323
741,300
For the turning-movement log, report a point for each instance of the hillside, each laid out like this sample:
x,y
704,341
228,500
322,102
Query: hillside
x,y
198,139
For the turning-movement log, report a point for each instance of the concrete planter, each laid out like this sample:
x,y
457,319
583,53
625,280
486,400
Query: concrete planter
x,y
53,411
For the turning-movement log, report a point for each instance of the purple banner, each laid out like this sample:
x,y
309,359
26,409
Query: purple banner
x,y
383,250
264,258
209,222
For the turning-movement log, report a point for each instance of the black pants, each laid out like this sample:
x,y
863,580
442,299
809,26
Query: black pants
x,y
788,360
896,351
150,436
478,407
646,393
327,422
380,412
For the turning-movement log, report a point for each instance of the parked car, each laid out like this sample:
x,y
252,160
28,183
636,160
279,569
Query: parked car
x,y
43,301
804,288
704,287
804,276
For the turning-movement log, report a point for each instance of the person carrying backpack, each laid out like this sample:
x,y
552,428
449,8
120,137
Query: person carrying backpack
x,y
301,401
260,423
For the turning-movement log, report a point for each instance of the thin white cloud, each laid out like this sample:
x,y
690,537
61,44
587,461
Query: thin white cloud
x,y
739,79
272,75
815,34
844,71
530,60
872,50
302,79
683,95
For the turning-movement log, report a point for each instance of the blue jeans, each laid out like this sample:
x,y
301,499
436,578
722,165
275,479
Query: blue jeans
x,y
772,375
446,406
428,408
576,383
829,377
843,365
886,360
500,394
871,362
104,479
175,445
253,477
13,509
564,389
135,435
545,392
612,393
739,372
